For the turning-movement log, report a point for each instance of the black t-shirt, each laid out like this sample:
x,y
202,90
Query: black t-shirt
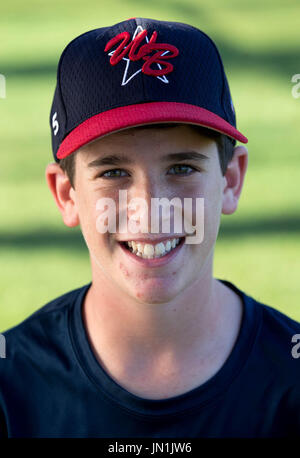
x,y
51,384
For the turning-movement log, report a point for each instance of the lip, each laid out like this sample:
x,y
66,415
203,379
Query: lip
x,y
155,262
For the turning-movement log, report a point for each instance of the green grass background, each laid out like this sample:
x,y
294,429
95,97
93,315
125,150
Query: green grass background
x,y
258,247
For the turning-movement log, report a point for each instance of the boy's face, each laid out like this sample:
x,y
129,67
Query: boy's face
x,y
150,173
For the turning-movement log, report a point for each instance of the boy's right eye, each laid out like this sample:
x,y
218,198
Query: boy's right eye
x,y
113,173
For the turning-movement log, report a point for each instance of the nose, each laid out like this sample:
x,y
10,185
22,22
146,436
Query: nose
x,y
147,187
150,203
140,197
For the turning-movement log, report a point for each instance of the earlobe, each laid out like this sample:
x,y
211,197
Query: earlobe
x,y
234,179
61,189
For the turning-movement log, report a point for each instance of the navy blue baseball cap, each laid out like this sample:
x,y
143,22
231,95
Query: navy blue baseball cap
x,y
139,71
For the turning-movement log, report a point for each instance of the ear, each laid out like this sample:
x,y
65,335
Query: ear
x,y
234,179
63,193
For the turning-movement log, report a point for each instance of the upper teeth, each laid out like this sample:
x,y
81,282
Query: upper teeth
x,y
147,250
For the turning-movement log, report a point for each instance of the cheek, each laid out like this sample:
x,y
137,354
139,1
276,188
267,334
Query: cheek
x,y
207,219
88,214
87,210
210,190
213,208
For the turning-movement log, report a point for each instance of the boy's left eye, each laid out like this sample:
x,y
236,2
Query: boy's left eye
x,y
184,168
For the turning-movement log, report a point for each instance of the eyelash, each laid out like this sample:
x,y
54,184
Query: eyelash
x,y
176,165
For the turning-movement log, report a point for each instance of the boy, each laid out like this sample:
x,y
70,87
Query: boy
x,y
154,346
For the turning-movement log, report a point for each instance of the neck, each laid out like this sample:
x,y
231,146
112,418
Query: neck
x,y
127,329
161,350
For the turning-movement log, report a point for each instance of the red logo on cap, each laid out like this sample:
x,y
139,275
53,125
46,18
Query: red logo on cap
x,y
143,52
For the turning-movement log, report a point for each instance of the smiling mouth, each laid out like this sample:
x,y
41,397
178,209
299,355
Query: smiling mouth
x,y
153,251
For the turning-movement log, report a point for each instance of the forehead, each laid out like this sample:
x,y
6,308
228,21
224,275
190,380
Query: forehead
x,y
141,140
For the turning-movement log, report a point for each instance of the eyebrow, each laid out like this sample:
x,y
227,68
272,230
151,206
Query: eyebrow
x,y
117,160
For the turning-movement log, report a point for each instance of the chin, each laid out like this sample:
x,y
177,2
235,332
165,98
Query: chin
x,y
158,296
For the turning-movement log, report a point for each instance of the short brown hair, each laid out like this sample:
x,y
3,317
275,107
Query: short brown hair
x,y
225,148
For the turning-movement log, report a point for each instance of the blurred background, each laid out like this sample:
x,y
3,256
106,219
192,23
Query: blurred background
x,y
258,247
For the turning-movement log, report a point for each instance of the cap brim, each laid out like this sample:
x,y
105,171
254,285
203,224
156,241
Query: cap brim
x,y
122,118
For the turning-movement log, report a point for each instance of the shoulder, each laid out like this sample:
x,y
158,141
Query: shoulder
x,y
55,305
35,349
280,337
276,348
275,336
276,324
272,320
40,331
